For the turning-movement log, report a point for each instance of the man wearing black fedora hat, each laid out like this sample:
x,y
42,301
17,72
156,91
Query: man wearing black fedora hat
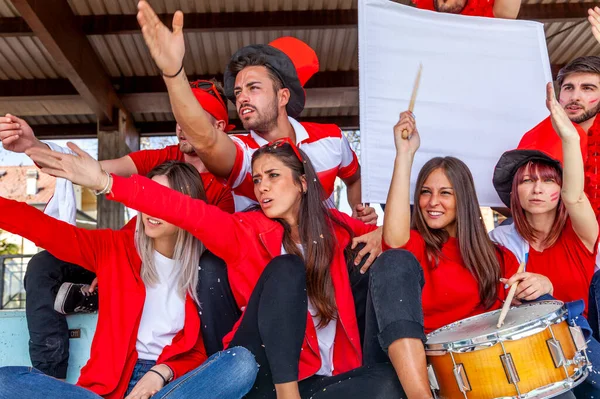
x,y
265,82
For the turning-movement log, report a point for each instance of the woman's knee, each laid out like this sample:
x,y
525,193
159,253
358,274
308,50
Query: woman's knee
x,y
244,367
42,266
10,377
210,264
286,267
397,265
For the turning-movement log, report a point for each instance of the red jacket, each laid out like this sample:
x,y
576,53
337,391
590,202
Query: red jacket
x,y
113,257
247,241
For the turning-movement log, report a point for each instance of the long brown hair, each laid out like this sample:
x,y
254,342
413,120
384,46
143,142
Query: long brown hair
x,y
542,171
184,178
478,252
316,229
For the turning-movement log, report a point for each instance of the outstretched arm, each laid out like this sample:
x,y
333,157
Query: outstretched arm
x,y
16,135
576,202
167,48
66,242
396,225
206,222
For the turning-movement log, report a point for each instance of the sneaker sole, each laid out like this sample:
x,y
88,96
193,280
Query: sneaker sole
x,y
61,296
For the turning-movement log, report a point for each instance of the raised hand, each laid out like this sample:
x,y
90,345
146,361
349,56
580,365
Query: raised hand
x,y
594,19
560,121
406,135
167,48
81,169
16,135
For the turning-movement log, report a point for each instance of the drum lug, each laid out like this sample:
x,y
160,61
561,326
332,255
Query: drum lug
x,y
433,382
556,351
578,337
461,378
509,369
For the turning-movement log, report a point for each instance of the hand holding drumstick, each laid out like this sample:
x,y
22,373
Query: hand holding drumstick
x,y
406,135
524,286
509,298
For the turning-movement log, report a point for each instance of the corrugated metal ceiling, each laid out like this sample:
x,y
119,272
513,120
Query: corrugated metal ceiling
x,y
101,7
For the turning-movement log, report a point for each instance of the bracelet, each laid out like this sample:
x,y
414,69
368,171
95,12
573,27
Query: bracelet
x,y
161,376
106,188
172,76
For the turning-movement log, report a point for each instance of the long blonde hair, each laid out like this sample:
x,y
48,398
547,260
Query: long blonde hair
x,y
184,178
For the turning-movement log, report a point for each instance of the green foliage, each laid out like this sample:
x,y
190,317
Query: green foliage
x,y
7,248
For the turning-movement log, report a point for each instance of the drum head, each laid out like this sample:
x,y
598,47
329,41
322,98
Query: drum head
x,y
482,328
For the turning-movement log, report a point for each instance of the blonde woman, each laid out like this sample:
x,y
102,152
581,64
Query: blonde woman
x,y
148,331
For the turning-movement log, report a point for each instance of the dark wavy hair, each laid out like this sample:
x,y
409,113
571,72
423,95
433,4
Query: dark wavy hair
x,y
587,64
316,229
478,252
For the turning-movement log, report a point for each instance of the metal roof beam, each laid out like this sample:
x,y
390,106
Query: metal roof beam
x,y
555,12
149,84
88,130
202,22
54,23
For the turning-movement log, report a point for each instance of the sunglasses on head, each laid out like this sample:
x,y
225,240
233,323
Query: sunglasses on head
x,y
210,88
273,145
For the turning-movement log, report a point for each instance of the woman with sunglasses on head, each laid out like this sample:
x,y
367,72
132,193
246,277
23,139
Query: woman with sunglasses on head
x,y
284,258
555,229
147,342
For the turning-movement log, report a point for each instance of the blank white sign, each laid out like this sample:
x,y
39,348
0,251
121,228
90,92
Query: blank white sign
x,y
482,87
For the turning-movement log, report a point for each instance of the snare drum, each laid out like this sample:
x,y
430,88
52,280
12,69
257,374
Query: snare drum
x,y
535,354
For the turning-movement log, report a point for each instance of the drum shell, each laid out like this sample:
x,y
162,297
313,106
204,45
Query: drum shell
x,y
486,374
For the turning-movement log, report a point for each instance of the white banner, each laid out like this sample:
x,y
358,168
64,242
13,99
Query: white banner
x,y
482,87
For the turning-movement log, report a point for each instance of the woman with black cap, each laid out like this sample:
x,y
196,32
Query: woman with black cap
x,y
555,230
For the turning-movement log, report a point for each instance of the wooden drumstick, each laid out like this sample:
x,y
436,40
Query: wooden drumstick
x,y
413,98
509,298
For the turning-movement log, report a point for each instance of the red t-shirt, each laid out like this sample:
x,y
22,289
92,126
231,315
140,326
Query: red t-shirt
x,y
217,192
568,264
451,292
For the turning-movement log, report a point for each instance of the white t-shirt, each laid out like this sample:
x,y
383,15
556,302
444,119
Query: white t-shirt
x,y
325,335
164,310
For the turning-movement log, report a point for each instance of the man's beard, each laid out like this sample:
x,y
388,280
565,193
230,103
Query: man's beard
x,y
186,148
266,121
456,8
587,115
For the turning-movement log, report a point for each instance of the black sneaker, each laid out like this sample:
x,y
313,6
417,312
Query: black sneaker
x,y
75,298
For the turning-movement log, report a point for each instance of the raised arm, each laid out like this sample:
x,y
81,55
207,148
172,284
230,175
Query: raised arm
x,y
396,225
576,202
167,48
594,20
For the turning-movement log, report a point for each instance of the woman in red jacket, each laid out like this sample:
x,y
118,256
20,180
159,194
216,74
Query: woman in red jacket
x,y
290,249
148,331
462,267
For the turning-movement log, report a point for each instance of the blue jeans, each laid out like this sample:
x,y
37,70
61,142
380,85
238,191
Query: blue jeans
x,y
226,374
141,368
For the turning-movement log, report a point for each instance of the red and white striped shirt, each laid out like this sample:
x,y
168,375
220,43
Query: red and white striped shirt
x,y
326,147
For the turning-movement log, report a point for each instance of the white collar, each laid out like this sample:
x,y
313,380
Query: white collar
x,y
301,133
